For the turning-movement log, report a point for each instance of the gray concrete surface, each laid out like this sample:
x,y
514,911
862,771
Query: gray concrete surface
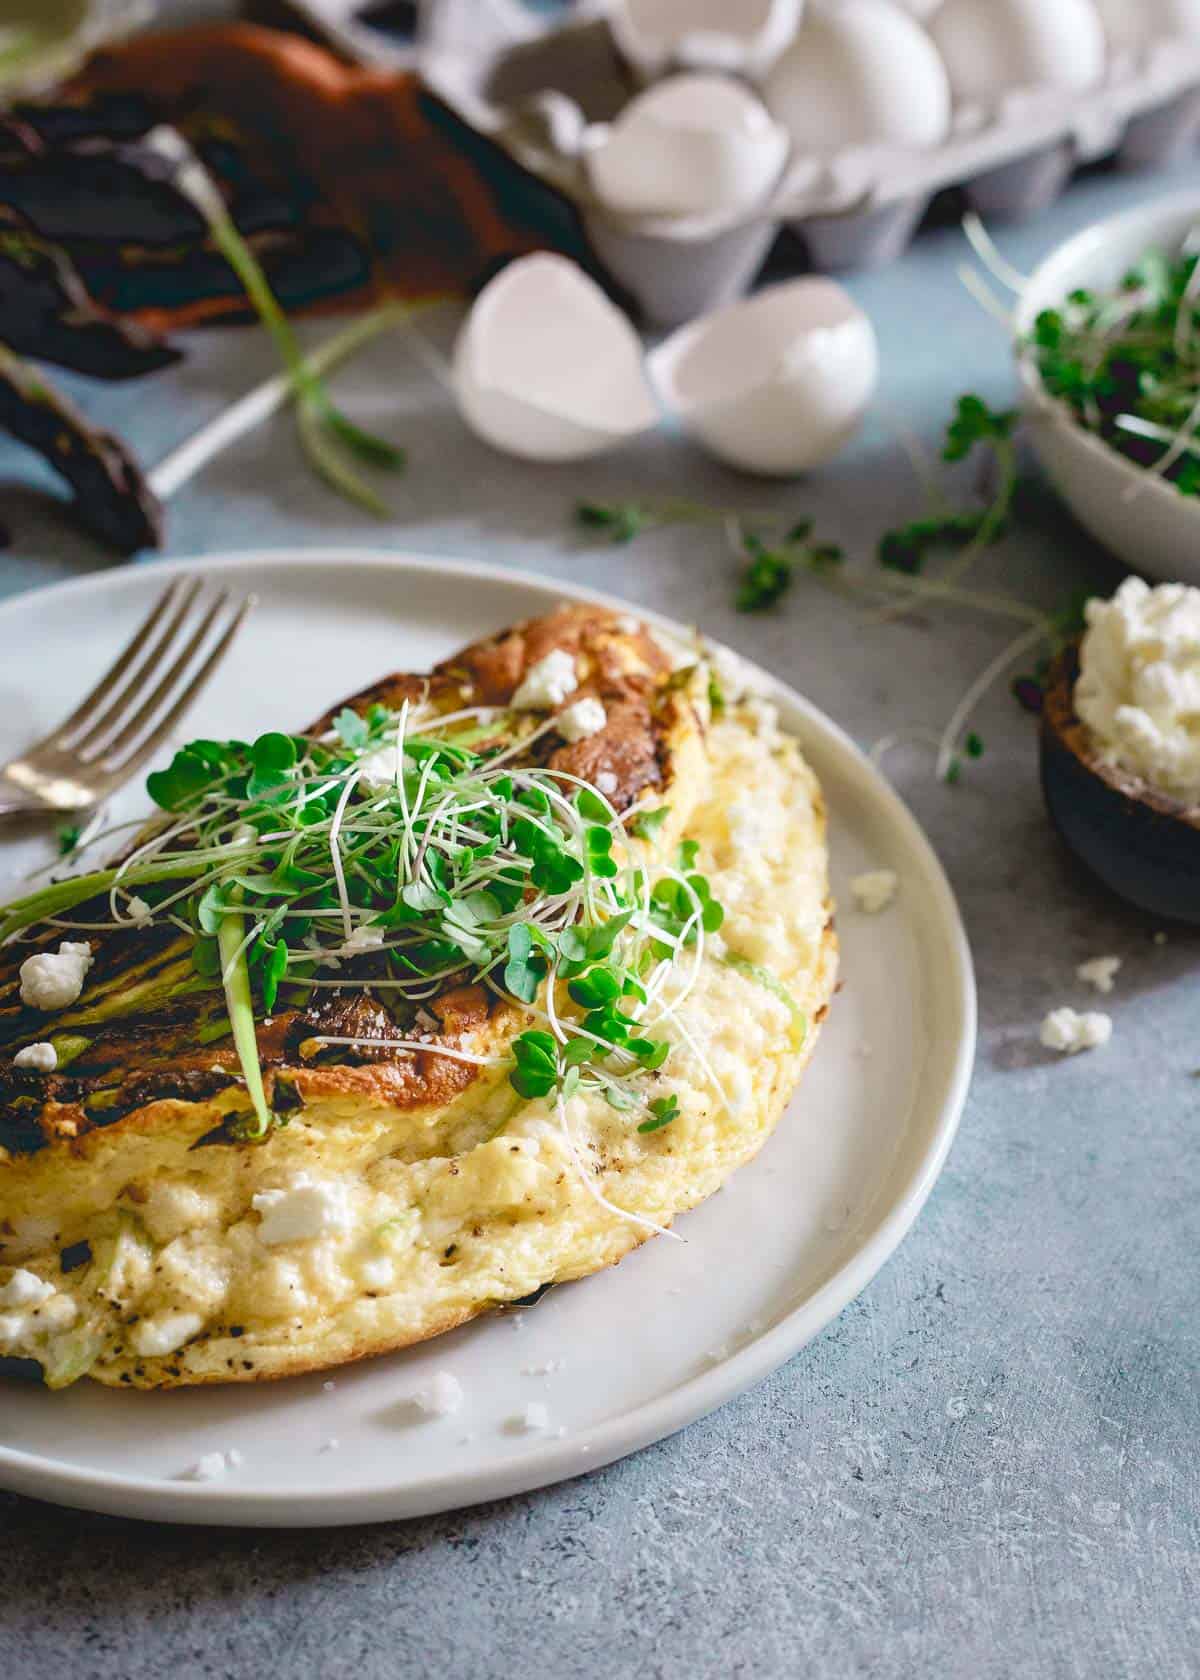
x,y
987,1467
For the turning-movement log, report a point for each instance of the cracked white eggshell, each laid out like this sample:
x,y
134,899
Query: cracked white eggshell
x,y
692,145
863,74
744,36
994,47
1136,25
777,383
545,367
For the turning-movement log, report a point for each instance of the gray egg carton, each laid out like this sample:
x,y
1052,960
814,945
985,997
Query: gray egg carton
x,y
533,87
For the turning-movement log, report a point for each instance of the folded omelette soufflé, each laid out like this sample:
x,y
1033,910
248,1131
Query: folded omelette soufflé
x,y
465,991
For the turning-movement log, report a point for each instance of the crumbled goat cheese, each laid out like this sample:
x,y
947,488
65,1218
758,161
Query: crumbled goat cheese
x,y
535,1416
381,769
54,979
165,1333
42,1057
58,1313
1068,1032
440,1398
305,1210
1100,972
15,1329
875,890
25,1289
210,1468
1139,683
138,911
547,683
606,783
377,1274
580,719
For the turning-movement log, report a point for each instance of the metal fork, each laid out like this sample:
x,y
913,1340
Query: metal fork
x,y
132,708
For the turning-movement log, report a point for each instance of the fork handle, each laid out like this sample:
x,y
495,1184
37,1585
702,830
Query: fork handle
x,y
12,805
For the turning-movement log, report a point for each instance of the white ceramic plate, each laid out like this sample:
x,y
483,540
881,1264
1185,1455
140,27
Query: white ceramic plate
x,y
641,1350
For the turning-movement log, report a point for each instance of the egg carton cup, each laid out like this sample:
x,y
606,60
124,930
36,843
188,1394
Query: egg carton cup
x,y
537,90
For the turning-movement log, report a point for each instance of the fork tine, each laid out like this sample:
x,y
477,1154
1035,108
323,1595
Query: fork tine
x,y
190,693
108,750
99,729
87,706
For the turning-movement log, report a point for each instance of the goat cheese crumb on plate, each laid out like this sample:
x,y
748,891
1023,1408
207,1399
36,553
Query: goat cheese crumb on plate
x,y
1068,1032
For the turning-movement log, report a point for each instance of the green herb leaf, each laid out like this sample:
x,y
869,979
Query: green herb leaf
x,y
644,825
662,1110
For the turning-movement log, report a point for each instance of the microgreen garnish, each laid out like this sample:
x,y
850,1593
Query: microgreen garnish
x,y
646,824
770,551
662,1111
973,427
387,854
1126,362
68,838
770,567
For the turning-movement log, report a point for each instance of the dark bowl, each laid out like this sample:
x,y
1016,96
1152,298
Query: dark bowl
x,y
1143,845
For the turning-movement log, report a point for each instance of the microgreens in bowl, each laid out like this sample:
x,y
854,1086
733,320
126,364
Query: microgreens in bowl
x,y
1126,363
402,852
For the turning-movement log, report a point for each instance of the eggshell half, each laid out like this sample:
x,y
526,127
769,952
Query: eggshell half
x,y
776,383
862,74
993,47
1137,25
739,35
692,145
546,368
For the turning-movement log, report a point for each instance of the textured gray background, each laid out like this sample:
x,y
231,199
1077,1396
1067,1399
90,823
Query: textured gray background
x,y
988,1466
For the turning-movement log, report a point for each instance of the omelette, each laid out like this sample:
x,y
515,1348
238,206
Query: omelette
x,y
467,991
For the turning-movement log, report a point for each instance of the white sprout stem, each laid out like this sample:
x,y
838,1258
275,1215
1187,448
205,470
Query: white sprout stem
x,y
593,1188
887,744
1181,446
985,248
413,1044
519,747
1157,434
948,746
335,853
985,297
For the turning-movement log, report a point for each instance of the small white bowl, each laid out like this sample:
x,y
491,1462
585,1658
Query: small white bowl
x,y
1141,518
744,37
545,367
775,384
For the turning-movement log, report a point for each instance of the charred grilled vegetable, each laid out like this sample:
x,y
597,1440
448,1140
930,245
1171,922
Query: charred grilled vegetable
x,y
111,497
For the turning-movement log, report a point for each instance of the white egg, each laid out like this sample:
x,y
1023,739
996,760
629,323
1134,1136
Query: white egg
x,y
545,367
861,74
993,47
1135,25
692,145
740,35
776,383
